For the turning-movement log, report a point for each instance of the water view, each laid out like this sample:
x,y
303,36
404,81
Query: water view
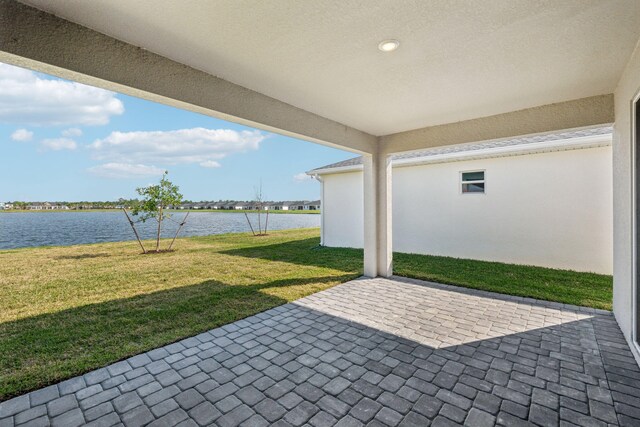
x,y
28,229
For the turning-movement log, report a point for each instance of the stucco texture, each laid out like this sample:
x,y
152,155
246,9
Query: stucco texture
x,y
549,209
623,204
343,210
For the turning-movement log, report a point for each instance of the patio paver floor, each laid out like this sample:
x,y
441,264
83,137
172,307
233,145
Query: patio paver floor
x,y
376,352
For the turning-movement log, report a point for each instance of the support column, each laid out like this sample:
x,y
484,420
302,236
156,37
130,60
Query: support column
x,y
378,251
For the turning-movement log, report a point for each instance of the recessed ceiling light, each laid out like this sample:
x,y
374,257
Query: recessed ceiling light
x,y
388,45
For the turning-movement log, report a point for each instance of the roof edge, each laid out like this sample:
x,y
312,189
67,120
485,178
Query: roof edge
x,y
567,144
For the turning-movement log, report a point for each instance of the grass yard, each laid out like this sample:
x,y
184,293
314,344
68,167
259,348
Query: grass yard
x,y
67,310
569,287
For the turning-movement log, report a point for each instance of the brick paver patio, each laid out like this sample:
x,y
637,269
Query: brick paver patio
x,y
370,352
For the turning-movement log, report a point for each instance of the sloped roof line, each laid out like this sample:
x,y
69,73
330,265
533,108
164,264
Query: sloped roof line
x,y
470,148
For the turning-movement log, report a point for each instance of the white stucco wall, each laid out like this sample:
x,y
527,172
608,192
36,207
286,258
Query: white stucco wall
x,y
551,209
623,229
343,210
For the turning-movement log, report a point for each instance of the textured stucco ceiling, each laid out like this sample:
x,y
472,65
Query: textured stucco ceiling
x,y
457,59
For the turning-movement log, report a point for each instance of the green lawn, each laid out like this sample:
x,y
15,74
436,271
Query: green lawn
x,y
570,287
67,310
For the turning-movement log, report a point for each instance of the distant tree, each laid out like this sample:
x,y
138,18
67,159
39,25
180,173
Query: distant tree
x,y
153,204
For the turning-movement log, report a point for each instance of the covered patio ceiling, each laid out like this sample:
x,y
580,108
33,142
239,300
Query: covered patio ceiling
x,y
456,60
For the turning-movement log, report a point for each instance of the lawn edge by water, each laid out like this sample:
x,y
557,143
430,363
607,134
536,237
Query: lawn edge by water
x,y
63,228
150,243
271,212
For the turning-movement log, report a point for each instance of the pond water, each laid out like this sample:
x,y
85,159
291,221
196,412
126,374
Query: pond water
x,y
27,229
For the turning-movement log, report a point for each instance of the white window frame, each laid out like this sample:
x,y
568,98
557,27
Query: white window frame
x,y
484,181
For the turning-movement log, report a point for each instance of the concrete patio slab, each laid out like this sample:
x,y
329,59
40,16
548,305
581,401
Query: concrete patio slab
x,y
373,352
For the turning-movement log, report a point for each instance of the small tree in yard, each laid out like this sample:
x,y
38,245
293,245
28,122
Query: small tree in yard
x,y
153,205
259,204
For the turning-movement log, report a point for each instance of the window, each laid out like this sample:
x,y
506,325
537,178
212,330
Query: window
x,y
472,182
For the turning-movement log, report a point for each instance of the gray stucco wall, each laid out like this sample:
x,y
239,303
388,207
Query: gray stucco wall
x,y
623,175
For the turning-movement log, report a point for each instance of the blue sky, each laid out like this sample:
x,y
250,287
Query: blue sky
x,y
67,141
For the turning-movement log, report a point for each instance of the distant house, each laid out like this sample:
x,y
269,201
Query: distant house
x,y
281,206
305,205
46,206
253,206
312,206
248,206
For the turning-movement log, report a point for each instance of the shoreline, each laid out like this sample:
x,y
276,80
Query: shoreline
x,y
150,241
279,212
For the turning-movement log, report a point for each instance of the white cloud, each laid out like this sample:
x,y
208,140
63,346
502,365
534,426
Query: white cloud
x,y
210,164
301,177
57,144
125,170
22,135
28,98
205,147
71,132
